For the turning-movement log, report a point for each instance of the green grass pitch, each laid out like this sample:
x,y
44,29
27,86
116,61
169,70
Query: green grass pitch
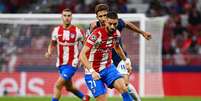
x,y
8,98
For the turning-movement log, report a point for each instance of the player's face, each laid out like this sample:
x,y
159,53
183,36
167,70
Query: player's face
x,y
101,16
66,17
111,25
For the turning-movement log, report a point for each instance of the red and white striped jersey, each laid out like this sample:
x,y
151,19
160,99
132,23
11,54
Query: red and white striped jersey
x,y
67,44
101,44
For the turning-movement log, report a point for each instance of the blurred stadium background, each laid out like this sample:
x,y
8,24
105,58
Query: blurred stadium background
x,y
25,71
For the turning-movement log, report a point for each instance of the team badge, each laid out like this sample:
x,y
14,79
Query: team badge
x,y
93,38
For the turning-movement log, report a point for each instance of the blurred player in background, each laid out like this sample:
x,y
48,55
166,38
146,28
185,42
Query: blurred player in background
x,y
96,56
101,11
66,38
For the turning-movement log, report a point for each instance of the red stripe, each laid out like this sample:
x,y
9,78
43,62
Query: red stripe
x,y
73,33
97,60
60,32
61,50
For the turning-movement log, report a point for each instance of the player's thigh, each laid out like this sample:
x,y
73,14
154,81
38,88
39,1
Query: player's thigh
x,y
60,82
69,85
120,85
126,79
96,87
109,75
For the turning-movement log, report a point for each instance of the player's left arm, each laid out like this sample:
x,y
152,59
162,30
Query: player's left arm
x,y
121,53
134,28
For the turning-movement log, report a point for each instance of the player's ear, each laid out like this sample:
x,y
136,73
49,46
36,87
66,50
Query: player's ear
x,y
96,16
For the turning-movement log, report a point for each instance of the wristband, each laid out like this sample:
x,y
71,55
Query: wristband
x,y
128,61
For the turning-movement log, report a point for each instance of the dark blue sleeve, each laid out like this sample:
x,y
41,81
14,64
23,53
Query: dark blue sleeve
x,y
121,25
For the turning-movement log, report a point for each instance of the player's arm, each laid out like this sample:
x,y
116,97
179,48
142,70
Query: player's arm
x,y
86,63
51,46
134,28
121,53
52,43
83,57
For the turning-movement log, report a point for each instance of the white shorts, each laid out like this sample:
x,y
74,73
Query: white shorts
x,y
122,68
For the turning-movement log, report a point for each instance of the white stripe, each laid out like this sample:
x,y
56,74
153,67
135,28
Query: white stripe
x,y
91,55
78,33
65,55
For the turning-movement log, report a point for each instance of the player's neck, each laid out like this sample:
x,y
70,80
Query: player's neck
x,y
66,25
102,24
106,29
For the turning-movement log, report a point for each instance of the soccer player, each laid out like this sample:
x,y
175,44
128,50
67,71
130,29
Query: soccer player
x,y
66,38
96,56
101,11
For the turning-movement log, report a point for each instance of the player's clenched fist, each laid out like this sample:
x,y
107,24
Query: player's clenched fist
x,y
47,54
147,35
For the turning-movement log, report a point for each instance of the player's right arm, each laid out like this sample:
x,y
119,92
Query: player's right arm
x,y
52,43
51,46
83,57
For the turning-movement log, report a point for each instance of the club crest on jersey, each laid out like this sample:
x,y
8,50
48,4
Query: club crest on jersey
x,y
93,38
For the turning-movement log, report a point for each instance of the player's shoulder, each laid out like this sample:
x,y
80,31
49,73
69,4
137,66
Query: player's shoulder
x,y
74,27
99,29
93,24
120,20
56,29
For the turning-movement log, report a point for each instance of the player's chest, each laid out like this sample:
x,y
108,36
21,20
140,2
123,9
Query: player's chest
x,y
105,42
67,35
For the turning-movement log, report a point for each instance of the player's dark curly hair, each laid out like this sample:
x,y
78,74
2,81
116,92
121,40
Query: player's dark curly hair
x,y
112,15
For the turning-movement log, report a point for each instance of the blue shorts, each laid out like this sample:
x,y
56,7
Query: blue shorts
x,y
67,71
108,76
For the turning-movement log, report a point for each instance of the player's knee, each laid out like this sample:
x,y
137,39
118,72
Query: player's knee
x,y
70,88
124,89
58,86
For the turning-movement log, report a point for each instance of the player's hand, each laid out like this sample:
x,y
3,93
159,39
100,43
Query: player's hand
x,y
95,75
147,35
128,65
48,55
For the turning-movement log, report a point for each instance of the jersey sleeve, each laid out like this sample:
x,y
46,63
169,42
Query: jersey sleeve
x,y
91,40
54,34
80,34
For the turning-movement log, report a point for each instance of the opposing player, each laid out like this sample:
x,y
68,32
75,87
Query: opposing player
x,y
96,56
66,38
101,11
